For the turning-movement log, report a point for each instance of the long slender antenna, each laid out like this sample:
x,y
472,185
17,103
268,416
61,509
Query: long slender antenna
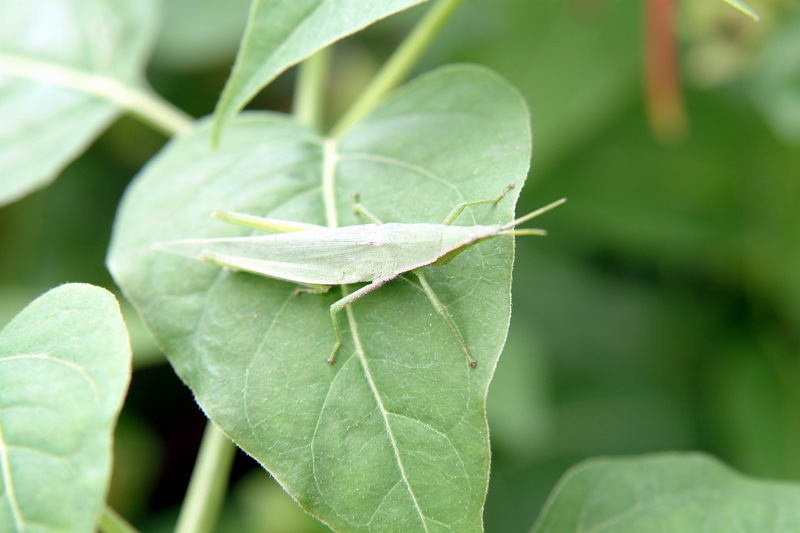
x,y
533,214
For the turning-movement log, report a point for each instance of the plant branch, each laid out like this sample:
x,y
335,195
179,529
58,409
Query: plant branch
x,y
399,64
145,104
310,89
209,483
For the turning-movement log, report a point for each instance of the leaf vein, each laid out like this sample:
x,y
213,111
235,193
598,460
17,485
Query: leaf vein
x,y
384,413
8,482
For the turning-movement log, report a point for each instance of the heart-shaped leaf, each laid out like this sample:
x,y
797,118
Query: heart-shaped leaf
x,y
64,369
669,492
51,55
280,34
394,433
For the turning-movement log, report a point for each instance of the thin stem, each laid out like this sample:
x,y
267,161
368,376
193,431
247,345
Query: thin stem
x,y
209,483
112,522
143,103
399,64
310,89
329,162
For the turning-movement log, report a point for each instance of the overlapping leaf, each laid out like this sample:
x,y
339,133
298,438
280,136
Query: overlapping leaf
x,y
64,370
676,492
395,432
280,34
47,49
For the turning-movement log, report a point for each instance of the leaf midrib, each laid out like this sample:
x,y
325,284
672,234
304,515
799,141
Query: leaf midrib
x,y
362,357
329,162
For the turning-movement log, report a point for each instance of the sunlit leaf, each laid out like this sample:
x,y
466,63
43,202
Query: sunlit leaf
x,y
64,369
47,49
395,432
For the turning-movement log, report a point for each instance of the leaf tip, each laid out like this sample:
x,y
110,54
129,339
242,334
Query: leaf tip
x,y
744,8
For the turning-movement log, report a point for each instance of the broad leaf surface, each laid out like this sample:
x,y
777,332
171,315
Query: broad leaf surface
x,y
280,34
64,369
44,47
395,432
670,492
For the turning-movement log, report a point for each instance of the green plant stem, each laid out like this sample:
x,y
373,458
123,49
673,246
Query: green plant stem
x,y
310,89
399,64
112,522
209,483
143,103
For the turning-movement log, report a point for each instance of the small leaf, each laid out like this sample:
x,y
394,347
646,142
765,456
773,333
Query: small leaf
x,y
44,47
744,8
64,370
678,492
280,34
396,431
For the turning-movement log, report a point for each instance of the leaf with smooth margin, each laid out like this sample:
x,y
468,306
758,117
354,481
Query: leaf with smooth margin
x,y
395,432
668,492
47,47
280,34
64,369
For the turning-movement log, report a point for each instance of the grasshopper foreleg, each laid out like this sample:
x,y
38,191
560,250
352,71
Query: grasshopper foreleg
x,y
457,210
363,211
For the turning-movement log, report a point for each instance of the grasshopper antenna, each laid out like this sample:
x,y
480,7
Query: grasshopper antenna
x,y
533,214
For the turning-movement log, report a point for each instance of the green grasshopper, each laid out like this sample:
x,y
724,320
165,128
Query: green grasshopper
x,y
318,257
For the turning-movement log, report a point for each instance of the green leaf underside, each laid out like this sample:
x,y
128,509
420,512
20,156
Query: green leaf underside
x,y
46,125
394,434
669,492
280,34
64,370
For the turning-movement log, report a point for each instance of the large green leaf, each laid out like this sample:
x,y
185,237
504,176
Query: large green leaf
x,y
395,432
280,34
670,492
64,369
52,54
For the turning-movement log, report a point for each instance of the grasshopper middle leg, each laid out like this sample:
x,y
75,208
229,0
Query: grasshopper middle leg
x,y
344,302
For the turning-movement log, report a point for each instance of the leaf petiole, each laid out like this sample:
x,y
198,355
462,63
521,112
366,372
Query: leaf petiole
x,y
398,65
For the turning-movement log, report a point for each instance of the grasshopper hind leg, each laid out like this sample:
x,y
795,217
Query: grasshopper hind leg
x,y
437,304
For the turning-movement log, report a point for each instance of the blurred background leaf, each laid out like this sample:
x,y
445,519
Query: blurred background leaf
x,y
46,50
679,492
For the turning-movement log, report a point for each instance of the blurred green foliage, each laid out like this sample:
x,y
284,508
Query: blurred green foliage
x,y
662,312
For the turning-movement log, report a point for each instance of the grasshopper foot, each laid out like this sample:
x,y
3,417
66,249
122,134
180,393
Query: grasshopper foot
x,y
336,346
